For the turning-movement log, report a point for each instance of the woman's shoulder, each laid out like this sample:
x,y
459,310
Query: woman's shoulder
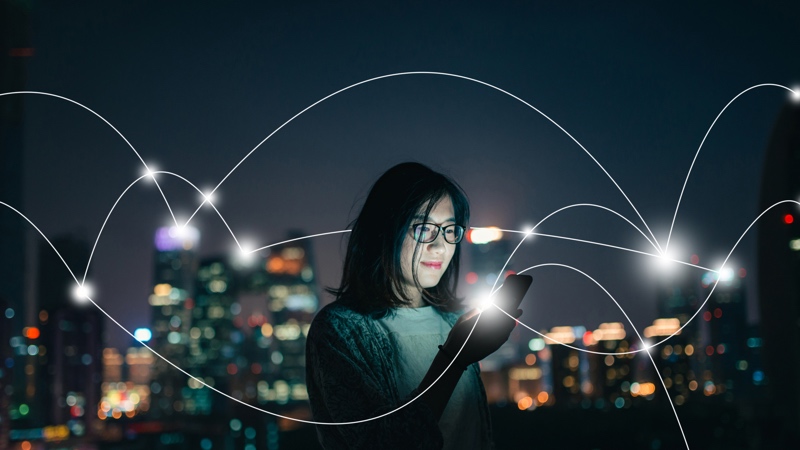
x,y
338,318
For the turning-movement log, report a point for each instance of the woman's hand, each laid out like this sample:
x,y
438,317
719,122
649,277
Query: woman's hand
x,y
491,331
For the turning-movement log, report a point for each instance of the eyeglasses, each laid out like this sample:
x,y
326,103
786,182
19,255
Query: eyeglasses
x,y
427,232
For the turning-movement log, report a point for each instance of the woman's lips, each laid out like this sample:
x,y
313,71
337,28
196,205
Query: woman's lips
x,y
433,265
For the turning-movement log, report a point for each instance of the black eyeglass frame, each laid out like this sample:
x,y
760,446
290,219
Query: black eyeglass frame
x,y
436,234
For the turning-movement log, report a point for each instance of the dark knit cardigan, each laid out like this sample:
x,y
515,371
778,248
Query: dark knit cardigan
x,y
350,376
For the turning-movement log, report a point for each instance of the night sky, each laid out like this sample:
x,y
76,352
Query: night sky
x,y
195,87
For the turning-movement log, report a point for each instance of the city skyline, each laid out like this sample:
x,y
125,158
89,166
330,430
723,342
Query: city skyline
x,y
193,90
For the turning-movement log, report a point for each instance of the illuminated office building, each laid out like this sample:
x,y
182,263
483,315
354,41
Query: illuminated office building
x,y
292,302
778,268
171,307
674,359
611,382
126,383
570,378
213,339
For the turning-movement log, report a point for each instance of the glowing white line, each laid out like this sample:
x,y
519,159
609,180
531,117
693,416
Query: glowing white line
x,y
592,205
716,282
45,238
203,382
446,75
644,344
297,239
102,227
680,197
654,242
700,308
47,94
610,246
200,380
598,285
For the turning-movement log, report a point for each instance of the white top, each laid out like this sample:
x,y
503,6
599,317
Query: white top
x,y
416,333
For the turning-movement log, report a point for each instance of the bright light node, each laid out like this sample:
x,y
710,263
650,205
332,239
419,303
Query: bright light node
x,y
528,230
795,94
485,303
667,261
245,254
209,196
177,231
150,172
726,274
81,293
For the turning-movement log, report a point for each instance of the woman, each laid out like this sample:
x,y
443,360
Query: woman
x,y
379,344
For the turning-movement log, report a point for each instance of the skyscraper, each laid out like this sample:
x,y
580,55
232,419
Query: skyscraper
x,y
175,265
778,269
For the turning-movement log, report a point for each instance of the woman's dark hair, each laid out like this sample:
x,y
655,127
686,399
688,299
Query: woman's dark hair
x,y
372,279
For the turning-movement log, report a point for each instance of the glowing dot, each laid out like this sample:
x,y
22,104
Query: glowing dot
x,y
718,313
82,292
726,274
695,259
795,94
472,278
150,173
788,218
707,316
742,273
209,197
485,303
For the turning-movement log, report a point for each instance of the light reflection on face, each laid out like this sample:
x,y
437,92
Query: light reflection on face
x,y
433,258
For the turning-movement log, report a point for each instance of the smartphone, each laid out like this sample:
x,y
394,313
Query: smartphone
x,y
510,295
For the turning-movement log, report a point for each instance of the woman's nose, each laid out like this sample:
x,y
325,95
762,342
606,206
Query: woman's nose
x,y
437,245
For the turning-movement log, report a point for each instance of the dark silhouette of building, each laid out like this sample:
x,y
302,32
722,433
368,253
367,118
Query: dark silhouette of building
x,y
14,49
779,274
65,359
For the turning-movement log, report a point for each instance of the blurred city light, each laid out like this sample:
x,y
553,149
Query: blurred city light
x,y
484,235
143,334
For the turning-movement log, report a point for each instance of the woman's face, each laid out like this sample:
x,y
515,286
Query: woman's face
x,y
433,258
